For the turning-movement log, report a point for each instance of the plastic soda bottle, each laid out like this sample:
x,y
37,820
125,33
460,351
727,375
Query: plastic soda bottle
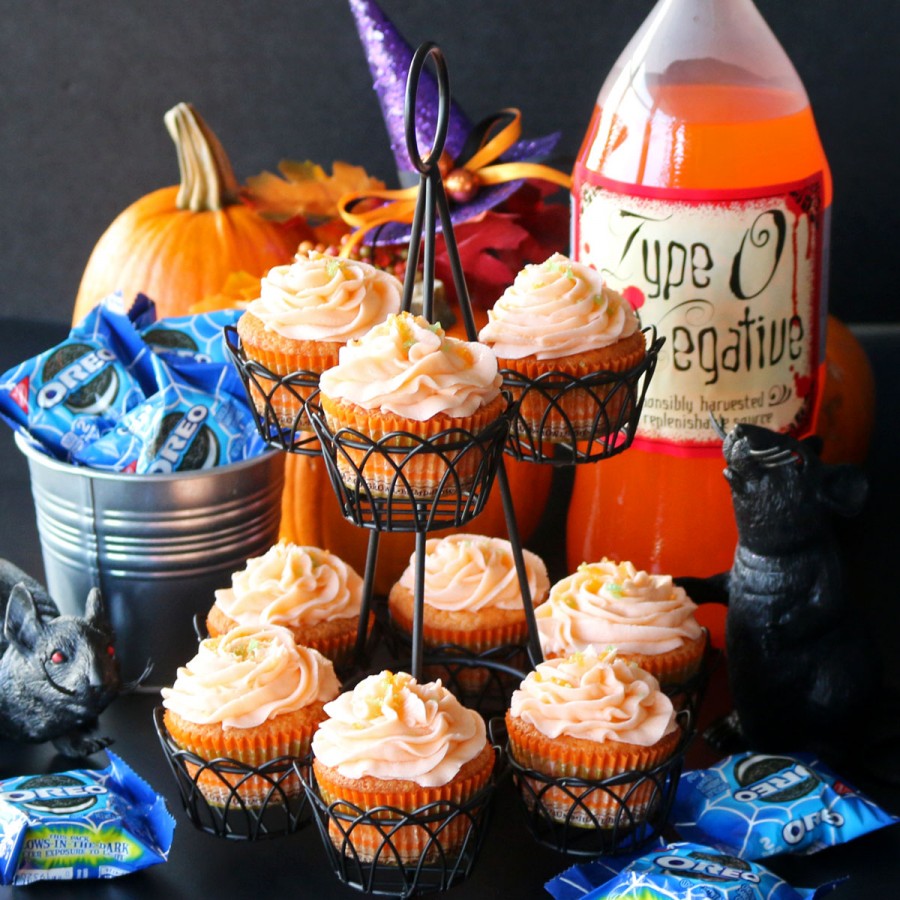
x,y
702,193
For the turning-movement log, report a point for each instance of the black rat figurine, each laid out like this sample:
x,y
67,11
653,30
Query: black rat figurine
x,y
800,665
57,672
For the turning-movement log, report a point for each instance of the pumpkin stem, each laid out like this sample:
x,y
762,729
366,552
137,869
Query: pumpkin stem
x,y
207,179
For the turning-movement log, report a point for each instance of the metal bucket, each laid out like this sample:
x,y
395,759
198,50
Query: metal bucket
x,y
157,546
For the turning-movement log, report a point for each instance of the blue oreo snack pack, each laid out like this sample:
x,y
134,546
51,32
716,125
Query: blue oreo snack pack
x,y
85,823
125,393
681,871
199,338
758,805
72,393
178,429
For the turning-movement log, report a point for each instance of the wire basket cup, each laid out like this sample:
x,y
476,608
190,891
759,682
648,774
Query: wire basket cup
x,y
374,479
400,853
278,402
562,419
595,817
229,799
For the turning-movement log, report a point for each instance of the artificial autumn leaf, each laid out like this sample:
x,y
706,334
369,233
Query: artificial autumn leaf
x,y
495,245
480,241
239,289
305,189
547,224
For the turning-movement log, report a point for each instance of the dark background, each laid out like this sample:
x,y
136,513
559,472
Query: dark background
x,y
84,86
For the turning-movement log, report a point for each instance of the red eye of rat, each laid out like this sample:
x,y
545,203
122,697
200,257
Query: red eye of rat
x,y
57,657
110,650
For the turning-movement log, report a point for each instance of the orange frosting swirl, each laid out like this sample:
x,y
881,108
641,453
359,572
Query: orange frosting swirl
x,y
595,698
391,726
292,586
607,604
473,572
247,676
555,309
409,367
325,298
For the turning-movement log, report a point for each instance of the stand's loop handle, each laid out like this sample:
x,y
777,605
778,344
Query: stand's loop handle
x,y
425,164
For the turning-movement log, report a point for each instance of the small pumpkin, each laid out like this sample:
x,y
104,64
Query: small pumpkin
x,y
180,243
847,411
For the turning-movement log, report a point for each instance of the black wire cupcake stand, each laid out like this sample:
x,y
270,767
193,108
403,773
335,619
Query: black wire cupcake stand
x,y
458,496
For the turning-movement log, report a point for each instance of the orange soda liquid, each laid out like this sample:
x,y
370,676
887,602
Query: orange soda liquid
x,y
672,513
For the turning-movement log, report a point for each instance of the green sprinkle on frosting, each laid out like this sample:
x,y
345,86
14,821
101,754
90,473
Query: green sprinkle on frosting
x,y
333,266
565,268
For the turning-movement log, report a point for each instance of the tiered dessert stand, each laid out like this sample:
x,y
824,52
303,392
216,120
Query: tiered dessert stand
x,y
455,501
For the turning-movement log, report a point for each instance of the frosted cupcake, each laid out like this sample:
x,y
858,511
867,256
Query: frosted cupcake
x,y
592,717
472,595
392,741
647,618
307,590
406,375
305,313
251,695
560,316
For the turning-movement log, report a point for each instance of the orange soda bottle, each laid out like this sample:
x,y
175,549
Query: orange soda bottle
x,y
702,193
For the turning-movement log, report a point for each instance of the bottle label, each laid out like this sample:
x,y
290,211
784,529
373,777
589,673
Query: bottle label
x,y
733,281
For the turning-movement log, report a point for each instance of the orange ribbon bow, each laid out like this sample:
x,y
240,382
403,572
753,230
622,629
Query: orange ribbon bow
x,y
400,205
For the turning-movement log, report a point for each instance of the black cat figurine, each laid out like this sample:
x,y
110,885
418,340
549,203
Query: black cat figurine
x,y
57,672
801,667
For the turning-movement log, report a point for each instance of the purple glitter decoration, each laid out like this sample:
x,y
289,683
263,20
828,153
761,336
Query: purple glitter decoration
x,y
389,58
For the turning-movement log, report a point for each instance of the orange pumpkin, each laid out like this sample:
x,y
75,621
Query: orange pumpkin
x,y
847,413
179,244
311,514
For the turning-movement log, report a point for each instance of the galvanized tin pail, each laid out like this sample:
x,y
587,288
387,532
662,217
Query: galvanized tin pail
x,y
157,546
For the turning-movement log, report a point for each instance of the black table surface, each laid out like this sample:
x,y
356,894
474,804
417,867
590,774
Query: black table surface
x,y
511,864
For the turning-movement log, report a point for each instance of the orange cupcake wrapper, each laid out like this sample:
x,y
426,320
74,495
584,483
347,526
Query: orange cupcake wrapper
x,y
424,470
675,667
475,640
243,744
246,748
410,841
338,648
578,405
563,759
285,400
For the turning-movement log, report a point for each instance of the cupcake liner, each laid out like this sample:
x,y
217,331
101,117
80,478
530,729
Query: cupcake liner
x,y
337,647
674,668
442,836
283,357
478,639
474,640
576,409
423,469
286,735
565,757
